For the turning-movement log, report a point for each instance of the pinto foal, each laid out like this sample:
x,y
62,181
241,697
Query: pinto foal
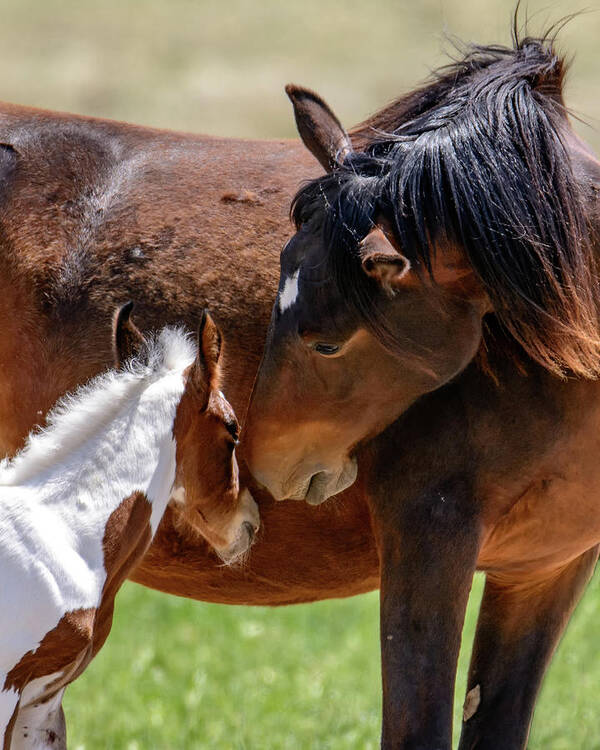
x,y
81,502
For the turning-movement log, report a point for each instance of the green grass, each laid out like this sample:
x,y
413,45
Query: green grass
x,y
180,675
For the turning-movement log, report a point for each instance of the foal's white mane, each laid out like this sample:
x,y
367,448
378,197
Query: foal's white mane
x,y
79,415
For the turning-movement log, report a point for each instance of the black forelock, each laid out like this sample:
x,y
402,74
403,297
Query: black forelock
x,y
477,158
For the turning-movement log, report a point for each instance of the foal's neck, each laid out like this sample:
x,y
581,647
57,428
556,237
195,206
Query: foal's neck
x,y
134,452
109,440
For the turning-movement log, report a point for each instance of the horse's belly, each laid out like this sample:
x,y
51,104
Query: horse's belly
x,y
303,554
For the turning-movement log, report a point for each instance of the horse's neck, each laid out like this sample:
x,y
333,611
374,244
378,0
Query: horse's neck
x,y
130,451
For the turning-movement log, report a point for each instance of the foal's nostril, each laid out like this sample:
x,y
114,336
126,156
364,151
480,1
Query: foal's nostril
x,y
250,529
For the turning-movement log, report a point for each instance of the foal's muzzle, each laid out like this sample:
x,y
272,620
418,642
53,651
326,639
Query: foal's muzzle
x,y
247,530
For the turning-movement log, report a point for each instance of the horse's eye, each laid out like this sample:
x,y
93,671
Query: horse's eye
x,y
326,349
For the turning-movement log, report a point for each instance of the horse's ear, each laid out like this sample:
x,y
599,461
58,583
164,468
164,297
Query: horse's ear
x,y
381,261
205,372
450,269
127,339
320,130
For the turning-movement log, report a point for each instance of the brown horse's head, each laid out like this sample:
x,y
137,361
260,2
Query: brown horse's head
x,y
206,494
463,202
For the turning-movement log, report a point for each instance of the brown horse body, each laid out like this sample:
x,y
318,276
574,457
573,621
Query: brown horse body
x,y
93,213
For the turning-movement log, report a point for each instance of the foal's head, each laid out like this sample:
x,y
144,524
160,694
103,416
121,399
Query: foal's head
x,y
206,495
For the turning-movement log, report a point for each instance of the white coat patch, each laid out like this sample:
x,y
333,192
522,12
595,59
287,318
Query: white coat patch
x,y
289,295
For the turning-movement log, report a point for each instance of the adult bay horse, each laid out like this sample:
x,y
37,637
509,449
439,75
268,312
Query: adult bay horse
x,y
441,294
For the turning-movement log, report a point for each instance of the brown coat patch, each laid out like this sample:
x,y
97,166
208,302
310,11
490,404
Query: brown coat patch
x,y
126,538
60,648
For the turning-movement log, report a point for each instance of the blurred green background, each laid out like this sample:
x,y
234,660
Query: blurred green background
x,y
220,67
177,674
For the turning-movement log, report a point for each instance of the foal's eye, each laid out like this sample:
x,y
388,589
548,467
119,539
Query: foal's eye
x,y
234,430
326,349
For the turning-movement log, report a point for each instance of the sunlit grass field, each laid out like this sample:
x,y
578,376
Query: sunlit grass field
x,y
180,675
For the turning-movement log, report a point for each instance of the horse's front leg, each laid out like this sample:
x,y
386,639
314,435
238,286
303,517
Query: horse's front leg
x,y
40,726
428,547
519,626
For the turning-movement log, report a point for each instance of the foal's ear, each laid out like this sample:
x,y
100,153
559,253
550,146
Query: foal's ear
x,y
381,260
320,130
209,344
205,372
127,339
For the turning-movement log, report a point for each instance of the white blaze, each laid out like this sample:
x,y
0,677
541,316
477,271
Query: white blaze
x,y
289,295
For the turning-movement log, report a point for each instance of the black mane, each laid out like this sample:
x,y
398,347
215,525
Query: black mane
x,y
476,158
